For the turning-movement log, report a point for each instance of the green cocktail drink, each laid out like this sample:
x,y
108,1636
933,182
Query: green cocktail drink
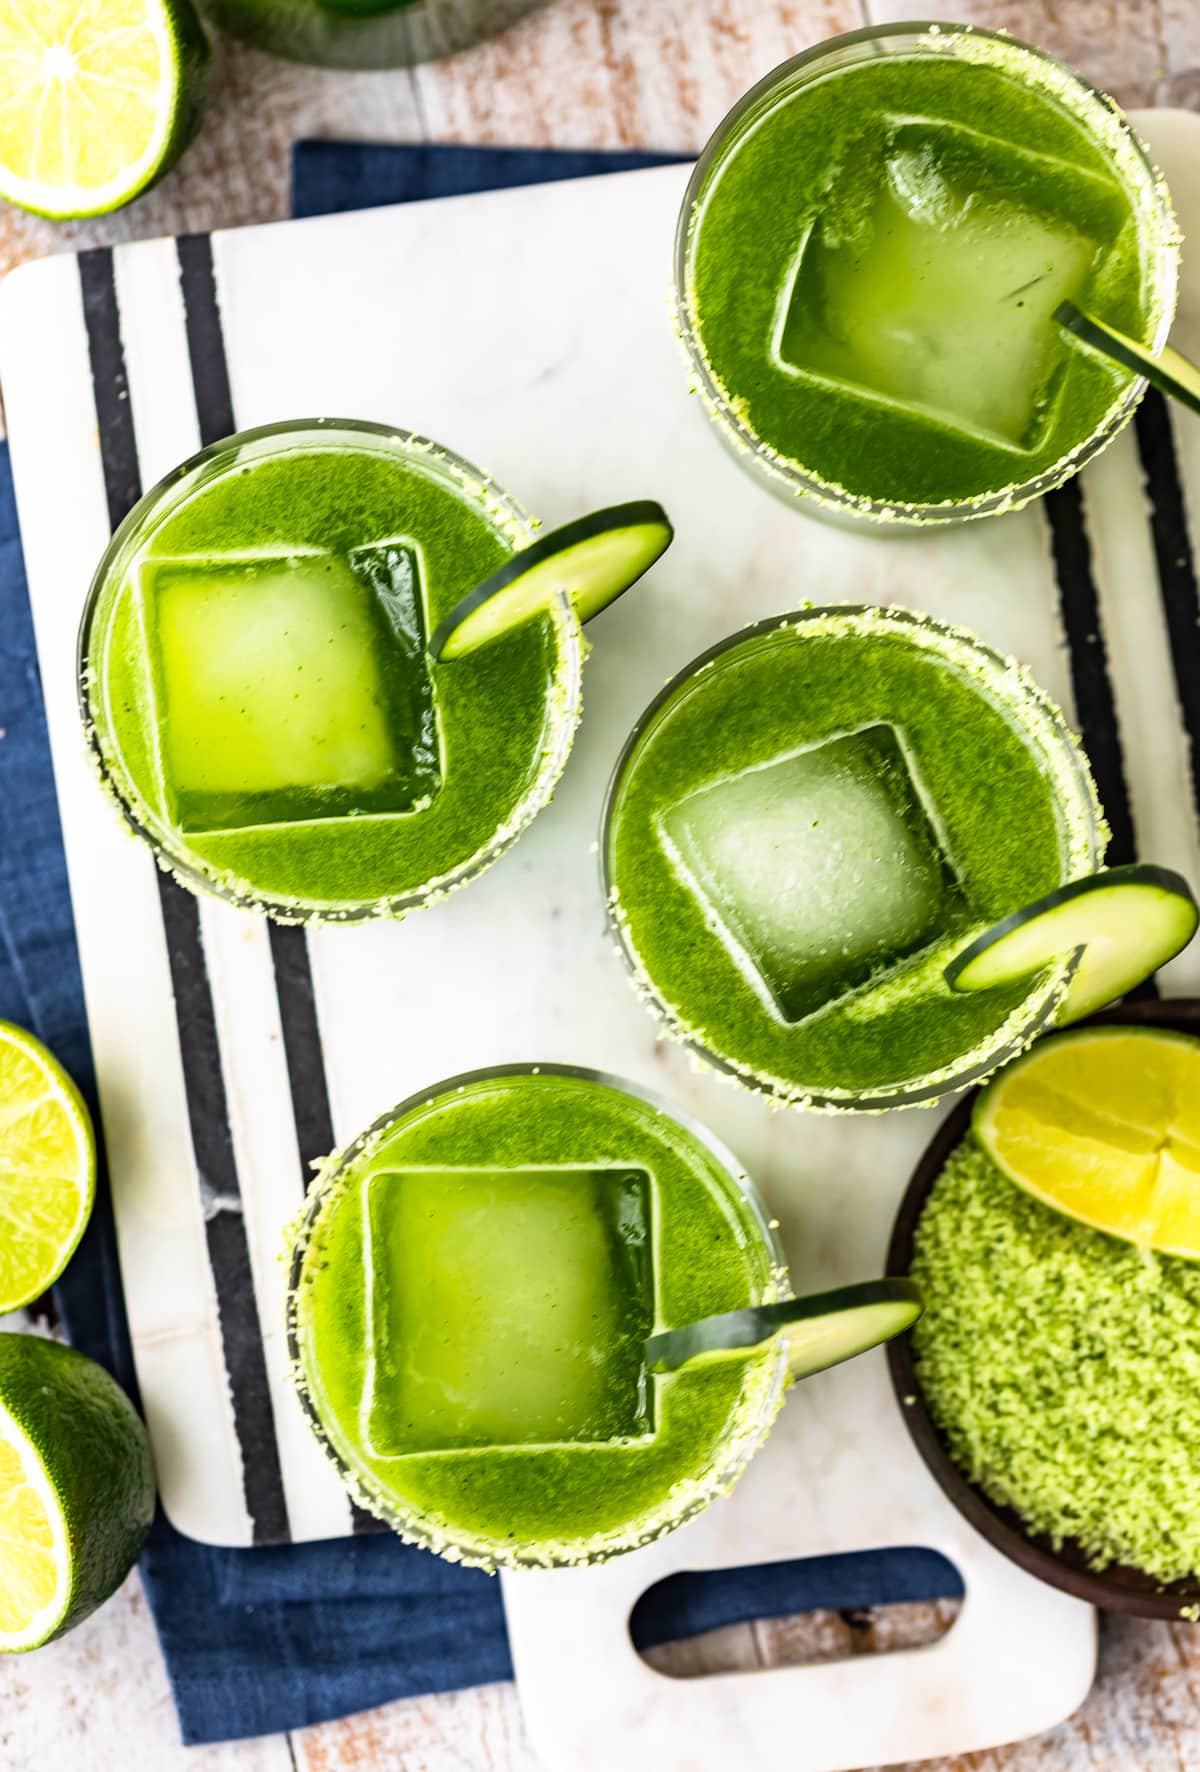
x,y
811,820
869,257
473,1284
256,687
364,33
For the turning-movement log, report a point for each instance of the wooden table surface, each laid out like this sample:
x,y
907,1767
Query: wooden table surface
x,y
581,73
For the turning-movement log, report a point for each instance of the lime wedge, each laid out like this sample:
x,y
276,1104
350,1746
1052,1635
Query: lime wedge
x,y
820,1330
98,98
1117,927
76,1489
1103,1124
47,1167
1170,370
591,561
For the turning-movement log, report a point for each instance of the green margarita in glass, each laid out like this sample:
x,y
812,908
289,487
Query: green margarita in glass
x,y
870,255
811,821
256,684
473,1284
364,33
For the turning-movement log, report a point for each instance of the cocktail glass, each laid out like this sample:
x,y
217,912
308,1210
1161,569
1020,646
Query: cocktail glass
x,y
256,691
810,820
872,333
472,1284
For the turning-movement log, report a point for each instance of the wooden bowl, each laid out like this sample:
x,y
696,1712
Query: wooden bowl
x,y
1120,1587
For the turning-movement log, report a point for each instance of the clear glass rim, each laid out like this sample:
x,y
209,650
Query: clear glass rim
x,y
174,858
788,478
442,1541
924,1091
416,31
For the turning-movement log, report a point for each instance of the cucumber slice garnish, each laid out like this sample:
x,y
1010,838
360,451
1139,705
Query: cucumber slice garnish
x,y
1170,370
592,561
1119,926
820,1330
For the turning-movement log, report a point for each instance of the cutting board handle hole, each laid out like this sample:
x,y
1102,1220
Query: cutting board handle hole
x,y
698,1622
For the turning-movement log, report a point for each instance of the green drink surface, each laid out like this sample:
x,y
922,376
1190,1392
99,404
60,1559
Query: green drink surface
x,y
260,691
810,826
471,1311
875,256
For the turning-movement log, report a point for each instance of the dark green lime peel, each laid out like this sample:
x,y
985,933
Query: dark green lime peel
x,y
821,1330
1170,370
591,561
1119,925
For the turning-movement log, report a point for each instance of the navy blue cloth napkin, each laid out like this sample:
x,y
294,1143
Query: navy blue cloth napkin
x,y
258,1641
331,177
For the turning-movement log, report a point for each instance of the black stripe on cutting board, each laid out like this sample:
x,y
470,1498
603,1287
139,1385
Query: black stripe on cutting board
x,y
110,384
289,945
1175,564
208,1113
224,1217
302,1045
205,338
294,988
1095,702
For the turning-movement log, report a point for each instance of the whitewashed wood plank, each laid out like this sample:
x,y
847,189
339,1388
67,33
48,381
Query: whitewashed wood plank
x,y
98,1701
478,1731
619,73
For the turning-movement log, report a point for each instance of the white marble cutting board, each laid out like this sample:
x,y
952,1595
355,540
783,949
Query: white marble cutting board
x,y
529,331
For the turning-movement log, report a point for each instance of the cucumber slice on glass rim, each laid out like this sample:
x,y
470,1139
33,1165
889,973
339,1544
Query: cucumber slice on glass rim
x,y
1119,926
1170,370
820,1330
591,561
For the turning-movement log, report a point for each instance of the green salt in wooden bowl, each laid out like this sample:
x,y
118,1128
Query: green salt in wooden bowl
x,y
1120,1587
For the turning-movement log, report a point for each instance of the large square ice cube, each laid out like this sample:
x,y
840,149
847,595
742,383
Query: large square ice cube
x,y
818,869
507,1307
290,687
934,288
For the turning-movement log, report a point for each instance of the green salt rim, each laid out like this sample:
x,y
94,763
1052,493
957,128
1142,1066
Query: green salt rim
x,y
1026,1311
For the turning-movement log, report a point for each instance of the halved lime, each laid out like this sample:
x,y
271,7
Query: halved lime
x,y
76,1489
98,98
47,1167
1169,371
591,561
1103,1124
1118,926
820,1330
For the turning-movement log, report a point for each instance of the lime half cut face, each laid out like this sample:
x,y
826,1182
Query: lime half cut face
x,y
47,1168
98,98
33,1556
1103,1125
